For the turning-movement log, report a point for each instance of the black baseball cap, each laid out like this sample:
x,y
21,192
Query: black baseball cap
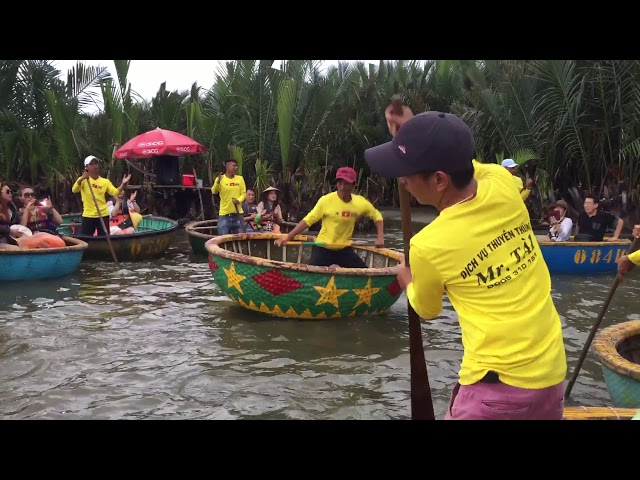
x,y
430,141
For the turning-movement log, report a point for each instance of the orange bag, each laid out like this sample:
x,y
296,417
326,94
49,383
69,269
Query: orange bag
x,y
40,240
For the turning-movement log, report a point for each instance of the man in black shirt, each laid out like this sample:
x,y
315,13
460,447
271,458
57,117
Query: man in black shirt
x,y
593,223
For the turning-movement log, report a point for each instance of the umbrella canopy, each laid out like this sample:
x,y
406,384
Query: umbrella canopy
x,y
159,142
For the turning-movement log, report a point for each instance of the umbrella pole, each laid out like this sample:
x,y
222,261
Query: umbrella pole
x,y
195,176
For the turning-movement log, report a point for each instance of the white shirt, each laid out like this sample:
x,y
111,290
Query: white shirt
x,y
561,232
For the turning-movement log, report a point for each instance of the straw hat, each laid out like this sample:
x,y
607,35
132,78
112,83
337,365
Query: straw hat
x,y
270,189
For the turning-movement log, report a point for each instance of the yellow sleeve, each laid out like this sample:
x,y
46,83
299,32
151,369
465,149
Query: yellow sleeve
x,y
635,257
372,212
216,185
525,193
243,190
76,188
316,213
426,289
111,189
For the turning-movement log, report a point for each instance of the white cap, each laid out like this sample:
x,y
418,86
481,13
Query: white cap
x,y
89,159
508,162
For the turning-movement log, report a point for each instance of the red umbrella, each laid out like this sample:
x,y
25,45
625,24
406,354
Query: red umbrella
x,y
159,142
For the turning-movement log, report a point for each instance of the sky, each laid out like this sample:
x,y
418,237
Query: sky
x,y
146,76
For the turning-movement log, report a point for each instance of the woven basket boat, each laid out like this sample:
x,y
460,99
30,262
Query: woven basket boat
x,y
153,238
583,257
618,349
258,275
199,232
599,413
42,263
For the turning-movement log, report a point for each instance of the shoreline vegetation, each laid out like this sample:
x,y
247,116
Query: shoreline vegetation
x,y
572,125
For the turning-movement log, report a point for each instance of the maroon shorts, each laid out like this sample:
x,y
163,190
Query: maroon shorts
x,y
499,401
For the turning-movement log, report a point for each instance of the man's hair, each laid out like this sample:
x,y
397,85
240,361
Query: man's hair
x,y
230,160
592,197
459,179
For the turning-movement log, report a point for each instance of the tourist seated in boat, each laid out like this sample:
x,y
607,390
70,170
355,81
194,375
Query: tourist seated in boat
x,y
250,209
101,187
8,216
232,190
593,223
512,166
627,262
338,211
560,224
38,215
124,216
269,212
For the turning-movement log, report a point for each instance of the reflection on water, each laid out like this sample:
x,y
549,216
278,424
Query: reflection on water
x,y
159,340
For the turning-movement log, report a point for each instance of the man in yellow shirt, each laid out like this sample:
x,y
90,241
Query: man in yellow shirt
x,y
626,262
511,166
481,251
101,188
338,211
233,191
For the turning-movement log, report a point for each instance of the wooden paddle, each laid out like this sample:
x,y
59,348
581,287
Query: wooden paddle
x,y
594,328
421,402
330,245
106,230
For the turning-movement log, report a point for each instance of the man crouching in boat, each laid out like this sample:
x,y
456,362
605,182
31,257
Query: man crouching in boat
x,y
338,211
481,251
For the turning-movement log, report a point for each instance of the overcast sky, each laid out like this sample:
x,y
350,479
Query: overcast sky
x,y
146,76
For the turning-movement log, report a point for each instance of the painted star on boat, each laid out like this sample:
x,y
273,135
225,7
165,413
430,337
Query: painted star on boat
x,y
365,294
233,278
330,293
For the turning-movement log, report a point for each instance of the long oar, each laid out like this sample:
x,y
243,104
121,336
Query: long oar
x,y
594,328
106,230
329,245
421,402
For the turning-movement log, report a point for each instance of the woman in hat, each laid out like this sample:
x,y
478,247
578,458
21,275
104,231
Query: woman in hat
x,y
560,224
269,209
338,211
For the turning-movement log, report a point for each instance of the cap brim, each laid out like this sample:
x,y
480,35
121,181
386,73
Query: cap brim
x,y
385,161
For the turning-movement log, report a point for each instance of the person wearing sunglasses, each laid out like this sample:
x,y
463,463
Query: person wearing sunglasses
x,y
8,217
37,215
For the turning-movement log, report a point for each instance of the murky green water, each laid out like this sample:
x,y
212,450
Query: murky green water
x,y
159,340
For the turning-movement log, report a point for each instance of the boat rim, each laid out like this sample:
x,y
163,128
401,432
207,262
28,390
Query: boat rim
x,y
605,347
149,233
78,244
213,247
211,223
571,243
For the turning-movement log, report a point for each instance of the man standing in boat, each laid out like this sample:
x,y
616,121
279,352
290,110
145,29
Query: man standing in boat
x,y
233,191
511,167
101,188
338,211
481,251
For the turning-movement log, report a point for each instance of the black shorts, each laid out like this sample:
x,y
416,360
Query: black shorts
x,y
346,257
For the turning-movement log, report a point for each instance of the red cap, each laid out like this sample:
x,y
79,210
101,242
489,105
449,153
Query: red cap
x,y
346,173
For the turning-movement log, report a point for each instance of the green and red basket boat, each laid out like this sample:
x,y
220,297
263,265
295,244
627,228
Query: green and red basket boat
x,y
260,276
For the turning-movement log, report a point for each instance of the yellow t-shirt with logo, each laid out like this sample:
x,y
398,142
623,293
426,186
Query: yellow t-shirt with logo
x,y
101,188
339,217
230,188
483,253
635,257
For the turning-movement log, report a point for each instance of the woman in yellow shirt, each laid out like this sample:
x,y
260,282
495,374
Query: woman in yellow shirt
x,y
338,211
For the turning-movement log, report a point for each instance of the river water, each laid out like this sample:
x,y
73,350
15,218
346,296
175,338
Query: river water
x,y
159,340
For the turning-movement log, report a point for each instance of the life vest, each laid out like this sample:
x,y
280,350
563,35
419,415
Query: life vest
x,y
43,221
118,220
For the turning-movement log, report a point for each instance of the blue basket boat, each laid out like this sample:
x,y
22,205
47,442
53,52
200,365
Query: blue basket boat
x,y
583,257
41,263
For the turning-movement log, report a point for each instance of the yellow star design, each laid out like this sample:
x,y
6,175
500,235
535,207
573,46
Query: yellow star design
x,y
365,294
330,293
234,279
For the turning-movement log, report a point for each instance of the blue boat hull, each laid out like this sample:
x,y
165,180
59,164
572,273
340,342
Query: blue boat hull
x,y
583,257
41,263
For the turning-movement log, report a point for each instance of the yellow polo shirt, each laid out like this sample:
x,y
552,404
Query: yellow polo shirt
x,y
101,188
524,192
231,188
635,257
484,254
339,217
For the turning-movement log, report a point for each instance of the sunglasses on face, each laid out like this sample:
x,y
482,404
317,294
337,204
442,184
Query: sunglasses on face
x,y
27,194
7,192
